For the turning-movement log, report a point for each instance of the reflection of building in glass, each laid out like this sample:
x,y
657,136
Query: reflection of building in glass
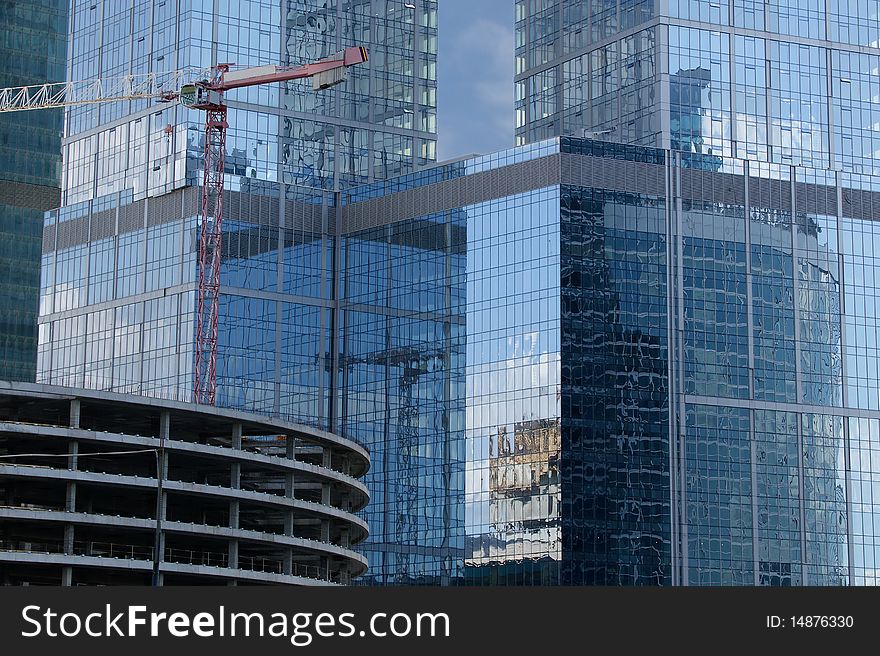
x,y
760,334
524,495
32,48
687,120
675,334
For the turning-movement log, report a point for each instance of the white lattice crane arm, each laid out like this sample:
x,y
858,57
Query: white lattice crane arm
x,y
164,85
168,85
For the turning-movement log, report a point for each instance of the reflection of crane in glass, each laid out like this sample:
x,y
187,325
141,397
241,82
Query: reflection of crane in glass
x,y
206,94
413,364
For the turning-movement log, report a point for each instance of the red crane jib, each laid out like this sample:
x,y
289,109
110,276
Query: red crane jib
x,y
267,74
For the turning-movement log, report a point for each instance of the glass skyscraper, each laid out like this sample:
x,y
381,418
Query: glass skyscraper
x,y
33,38
782,81
380,123
573,362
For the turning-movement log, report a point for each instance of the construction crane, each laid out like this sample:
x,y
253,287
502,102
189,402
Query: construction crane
x,y
198,89
413,363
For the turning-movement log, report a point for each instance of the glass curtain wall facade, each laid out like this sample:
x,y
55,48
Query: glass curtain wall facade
x,y
381,122
123,239
655,383
118,288
33,48
573,362
782,82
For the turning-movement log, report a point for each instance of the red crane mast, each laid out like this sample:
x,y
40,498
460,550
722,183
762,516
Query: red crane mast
x,y
208,96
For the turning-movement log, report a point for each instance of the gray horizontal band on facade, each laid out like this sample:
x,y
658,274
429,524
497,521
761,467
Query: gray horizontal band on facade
x,y
68,560
454,194
309,434
779,406
219,452
307,508
200,530
701,186
616,175
41,198
239,207
306,220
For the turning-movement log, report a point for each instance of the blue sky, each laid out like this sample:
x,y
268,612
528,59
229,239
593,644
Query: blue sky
x,y
474,77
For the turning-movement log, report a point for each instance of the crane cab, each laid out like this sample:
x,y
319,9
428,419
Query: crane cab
x,y
196,96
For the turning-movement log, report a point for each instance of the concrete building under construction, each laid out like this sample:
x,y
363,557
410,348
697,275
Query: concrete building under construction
x,y
244,500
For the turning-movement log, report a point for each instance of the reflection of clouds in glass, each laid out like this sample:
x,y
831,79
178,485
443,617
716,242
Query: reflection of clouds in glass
x,y
513,374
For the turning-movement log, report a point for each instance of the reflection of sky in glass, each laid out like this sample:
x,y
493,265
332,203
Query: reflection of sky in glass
x,y
512,364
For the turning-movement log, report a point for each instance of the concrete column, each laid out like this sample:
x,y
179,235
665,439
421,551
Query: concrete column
x,y
69,530
235,484
236,435
70,500
67,572
68,538
161,497
290,493
75,413
72,454
233,514
325,530
233,554
164,425
325,493
327,460
70,494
